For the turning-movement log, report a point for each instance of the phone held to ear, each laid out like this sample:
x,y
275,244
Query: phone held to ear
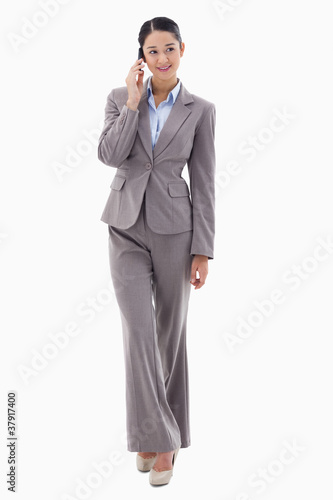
x,y
140,54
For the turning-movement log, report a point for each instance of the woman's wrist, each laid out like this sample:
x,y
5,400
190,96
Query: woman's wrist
x,y
132,105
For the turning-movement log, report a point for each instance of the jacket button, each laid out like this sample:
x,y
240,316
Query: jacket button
x,y
148,166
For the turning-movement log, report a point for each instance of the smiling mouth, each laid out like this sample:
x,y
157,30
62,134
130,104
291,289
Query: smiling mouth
x,y
164,68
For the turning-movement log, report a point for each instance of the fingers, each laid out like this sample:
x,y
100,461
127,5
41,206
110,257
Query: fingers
x,y
197,284
193,275
199,281
135,70
137,65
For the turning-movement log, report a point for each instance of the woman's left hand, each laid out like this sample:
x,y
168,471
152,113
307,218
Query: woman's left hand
x,y
200,264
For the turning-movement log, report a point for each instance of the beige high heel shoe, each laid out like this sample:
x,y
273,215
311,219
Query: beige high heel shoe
x,y
163,477
145,464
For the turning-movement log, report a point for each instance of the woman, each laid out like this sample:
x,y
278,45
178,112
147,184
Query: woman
x,y
158,237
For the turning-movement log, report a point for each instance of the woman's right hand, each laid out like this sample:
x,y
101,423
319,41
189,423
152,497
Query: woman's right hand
x,y
135,86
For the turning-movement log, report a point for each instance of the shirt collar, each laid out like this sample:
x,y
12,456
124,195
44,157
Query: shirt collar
x,y
172,94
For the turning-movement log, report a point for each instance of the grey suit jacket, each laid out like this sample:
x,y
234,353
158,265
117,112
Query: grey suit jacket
x,y
187,136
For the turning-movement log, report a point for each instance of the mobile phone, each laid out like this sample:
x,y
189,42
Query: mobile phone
x,y
140,54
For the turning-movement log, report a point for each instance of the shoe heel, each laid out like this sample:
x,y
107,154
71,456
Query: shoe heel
x,y
175,455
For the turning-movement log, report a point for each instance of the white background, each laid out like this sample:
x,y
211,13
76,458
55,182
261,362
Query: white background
x,y
250,58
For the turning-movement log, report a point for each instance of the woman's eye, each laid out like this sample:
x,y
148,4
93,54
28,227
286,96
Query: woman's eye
x,y
153,51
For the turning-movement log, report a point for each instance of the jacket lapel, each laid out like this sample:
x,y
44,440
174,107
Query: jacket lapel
x,y
178,114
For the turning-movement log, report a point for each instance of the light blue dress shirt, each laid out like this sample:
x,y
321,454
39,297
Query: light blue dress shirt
x,y
159,116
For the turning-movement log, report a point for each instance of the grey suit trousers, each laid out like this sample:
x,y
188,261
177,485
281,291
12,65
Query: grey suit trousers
x,y
151,275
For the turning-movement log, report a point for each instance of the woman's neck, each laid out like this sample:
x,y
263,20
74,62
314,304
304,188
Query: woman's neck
x,y
162,88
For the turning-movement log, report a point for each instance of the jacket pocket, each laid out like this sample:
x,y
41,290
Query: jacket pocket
x,y
118,182
178,188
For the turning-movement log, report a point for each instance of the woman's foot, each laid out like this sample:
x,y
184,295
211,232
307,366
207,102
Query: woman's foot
x,y
163,461
145,460
162,470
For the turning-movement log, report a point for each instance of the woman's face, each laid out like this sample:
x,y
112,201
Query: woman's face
x,y
161,49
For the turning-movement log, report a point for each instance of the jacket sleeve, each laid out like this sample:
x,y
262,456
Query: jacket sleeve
x,y
118,134
202,166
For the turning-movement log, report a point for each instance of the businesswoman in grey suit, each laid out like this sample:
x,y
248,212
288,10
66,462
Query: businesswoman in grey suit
x,y
161,234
